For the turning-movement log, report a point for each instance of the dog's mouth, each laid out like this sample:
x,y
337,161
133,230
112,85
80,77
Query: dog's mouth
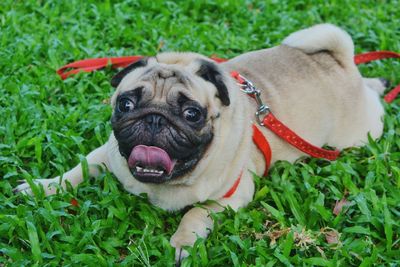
x,y
151,164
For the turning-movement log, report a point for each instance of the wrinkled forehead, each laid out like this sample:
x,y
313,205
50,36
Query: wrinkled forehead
x,y
153,70
162,77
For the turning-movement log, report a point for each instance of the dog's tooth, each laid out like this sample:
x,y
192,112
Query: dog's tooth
x,y
149,170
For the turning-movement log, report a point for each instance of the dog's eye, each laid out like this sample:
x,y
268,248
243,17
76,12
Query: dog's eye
x,y
192,114
125,105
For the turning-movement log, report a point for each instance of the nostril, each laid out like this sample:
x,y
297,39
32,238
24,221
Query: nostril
x,y
155,121
161,120
149,118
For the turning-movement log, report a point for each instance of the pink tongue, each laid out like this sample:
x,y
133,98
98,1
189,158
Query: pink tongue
x,y
150,156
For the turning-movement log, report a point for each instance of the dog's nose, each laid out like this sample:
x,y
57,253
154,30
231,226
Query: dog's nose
x,y
155,122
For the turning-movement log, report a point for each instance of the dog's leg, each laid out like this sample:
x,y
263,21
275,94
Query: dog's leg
x,y
376,84
198,223
95,160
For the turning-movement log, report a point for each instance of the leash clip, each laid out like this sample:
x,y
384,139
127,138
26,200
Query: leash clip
x,y
262,110
248,87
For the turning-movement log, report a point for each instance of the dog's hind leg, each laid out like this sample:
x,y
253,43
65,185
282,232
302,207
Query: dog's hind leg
x,y
376,84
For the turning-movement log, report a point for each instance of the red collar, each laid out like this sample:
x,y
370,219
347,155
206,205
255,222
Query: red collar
x,y
262,144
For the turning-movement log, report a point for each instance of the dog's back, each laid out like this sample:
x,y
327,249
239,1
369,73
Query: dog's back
x,y
311,84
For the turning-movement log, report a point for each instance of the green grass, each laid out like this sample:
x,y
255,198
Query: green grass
x,y
47,125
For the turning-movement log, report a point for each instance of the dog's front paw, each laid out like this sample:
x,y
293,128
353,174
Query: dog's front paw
x,y
25,188
178,241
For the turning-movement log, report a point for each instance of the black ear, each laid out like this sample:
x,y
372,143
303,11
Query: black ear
x,y
209,72
120,75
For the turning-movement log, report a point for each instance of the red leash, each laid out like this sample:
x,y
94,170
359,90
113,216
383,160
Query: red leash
x,y
278,127
89,65
377,55
92,64
264,117
292,138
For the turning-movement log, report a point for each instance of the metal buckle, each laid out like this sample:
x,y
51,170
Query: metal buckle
x,y
249,88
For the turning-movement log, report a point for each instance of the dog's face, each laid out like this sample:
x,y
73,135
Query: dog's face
x,y
164,111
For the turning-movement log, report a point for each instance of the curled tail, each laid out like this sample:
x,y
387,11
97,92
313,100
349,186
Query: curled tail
x,y
324,37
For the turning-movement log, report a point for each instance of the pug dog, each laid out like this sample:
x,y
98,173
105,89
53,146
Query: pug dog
x,y
182,128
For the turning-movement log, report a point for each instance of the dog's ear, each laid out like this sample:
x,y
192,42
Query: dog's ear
x,y
115,81
209,72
